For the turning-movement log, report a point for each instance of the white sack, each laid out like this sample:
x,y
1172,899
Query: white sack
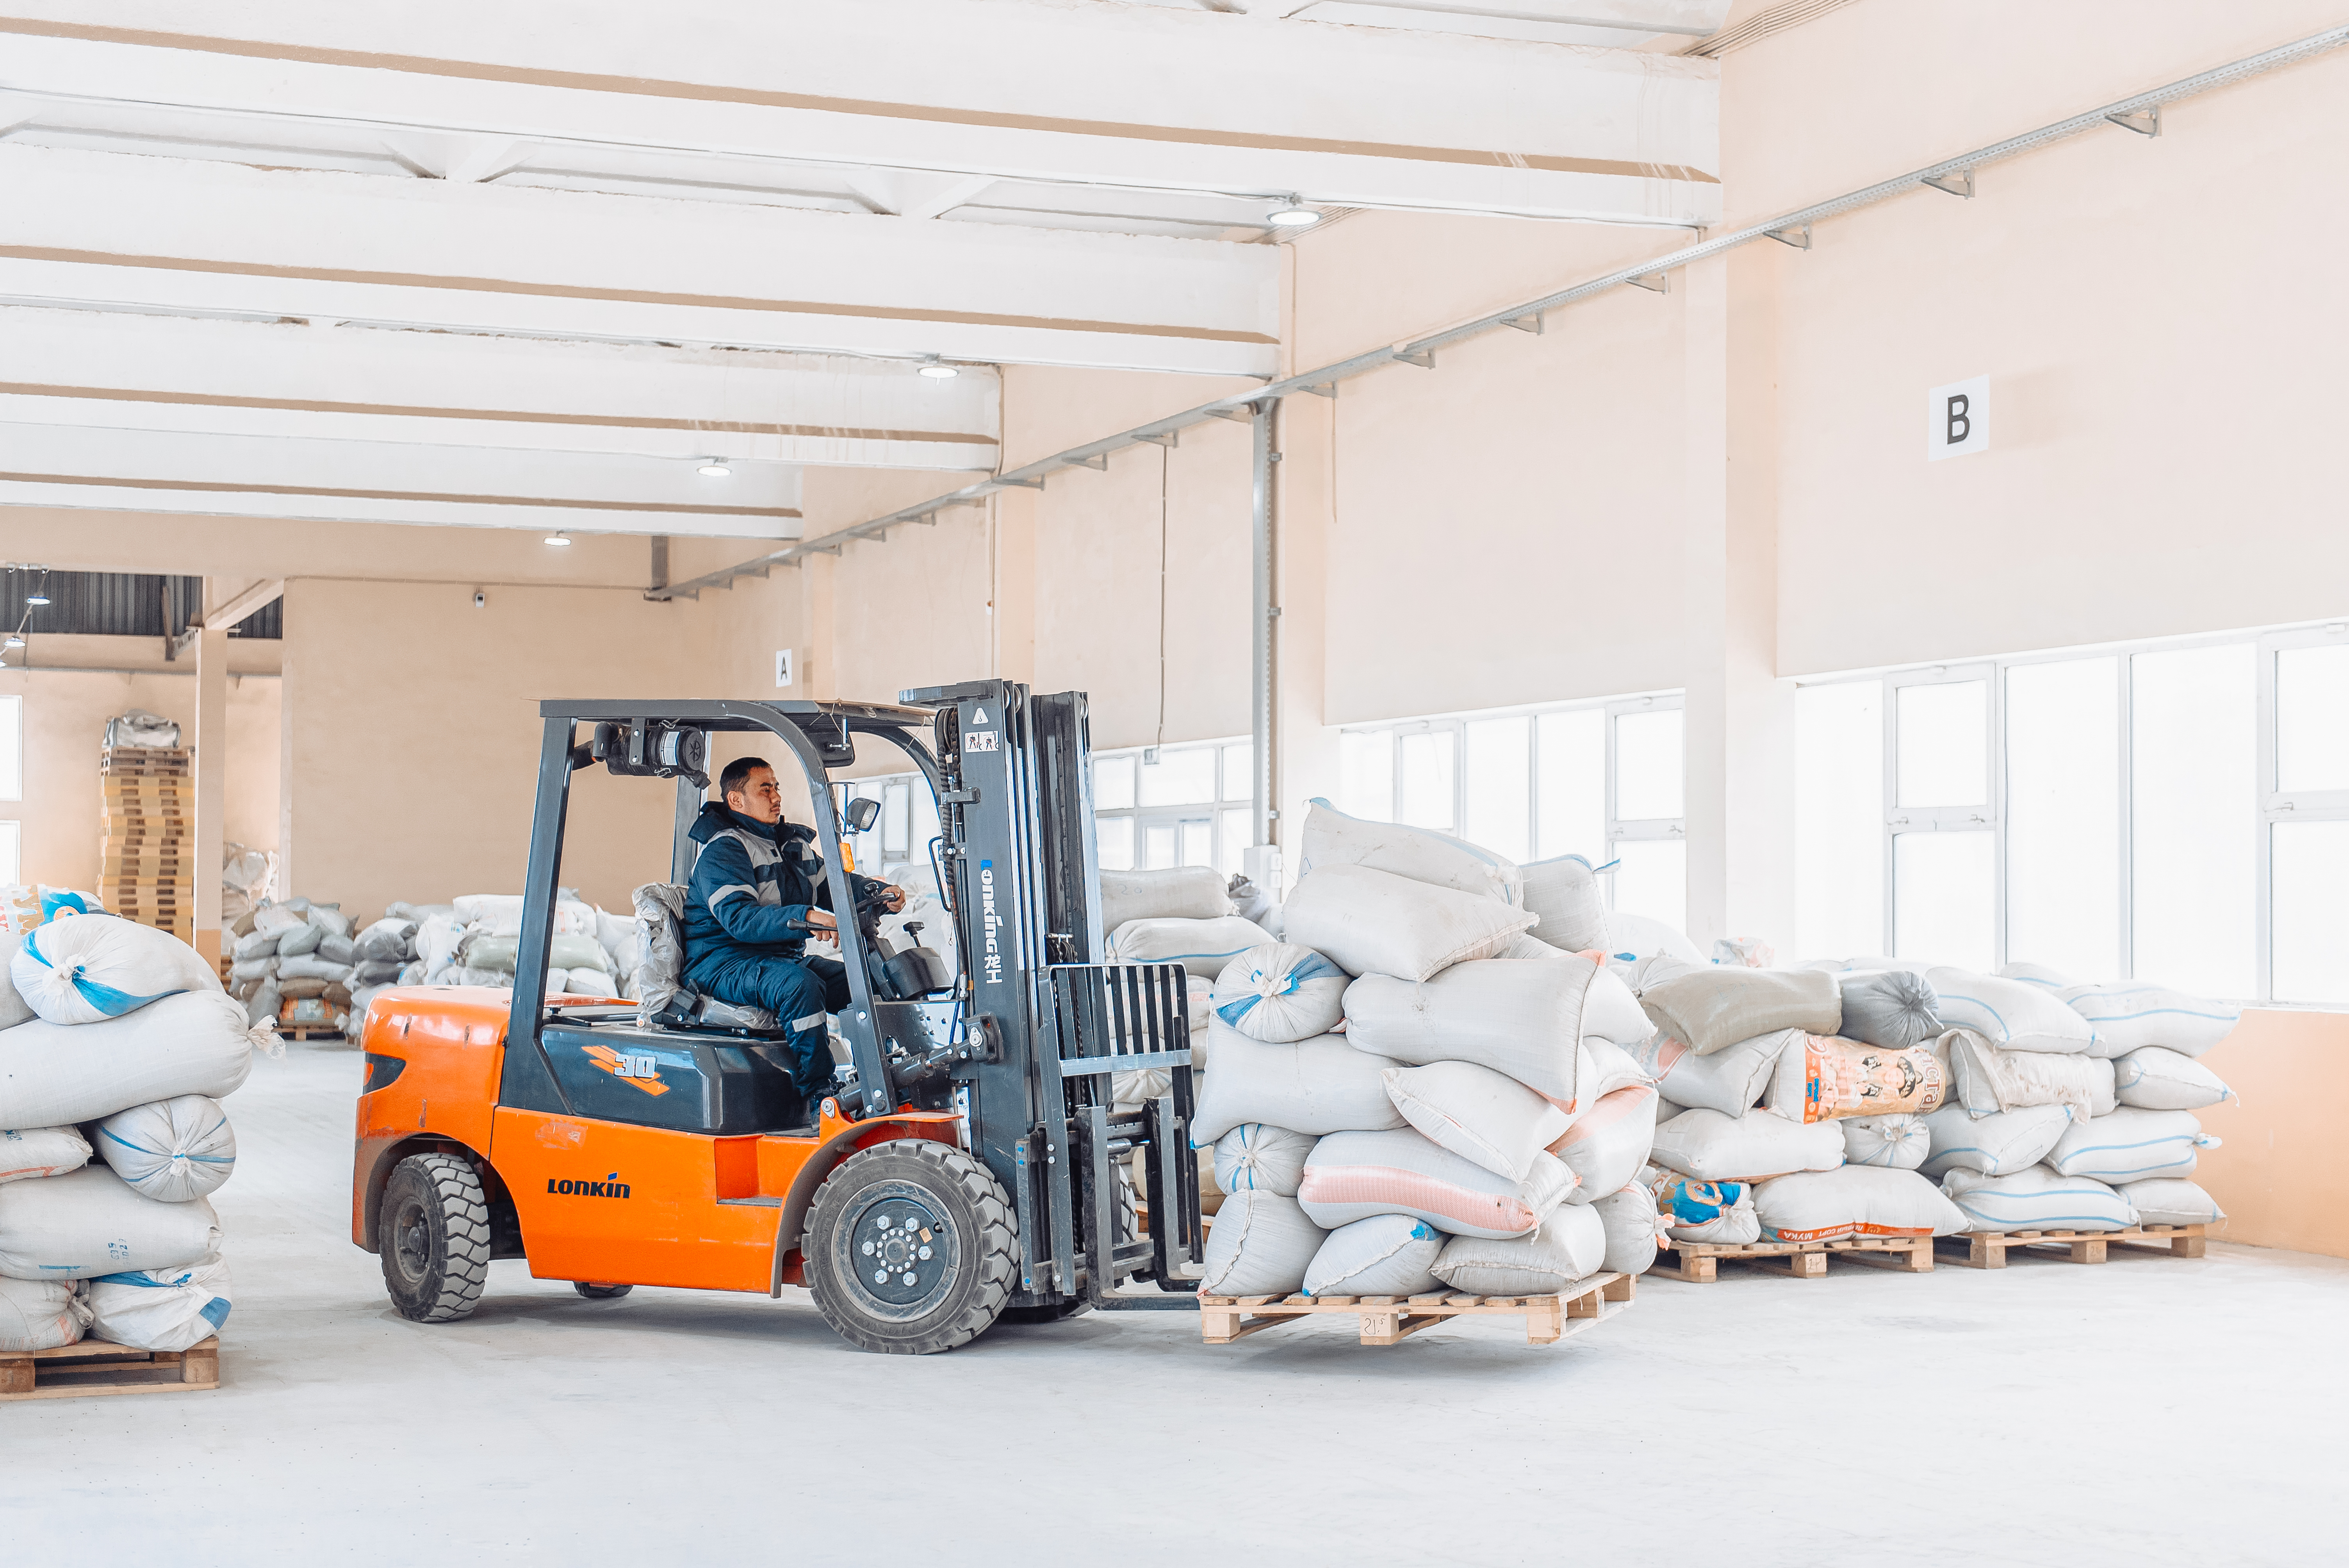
x,y
88,1222
1893,1009
1204,947
300,941
1607,1067
1713,1147
1570,1245
1715,1007
1478,1114
1607,1143
1566,895
171,1149
1254,1157
2155,1078
1334,839
1634,1230
1260,1245
1998,1144
2127,1014
1179,892
1352,1176
1983,1078
1729,1080
2036,1199
41,1314
14,1009
1525,945
387,941
2011,1014
1524,1019
254,945
94,966
1635,937
1317,1085
1854,1201
1386,1255
1639,973
160,1309
1279,991
1131,1090
2130,1145
280,918
195,1043
1374,922
1896,1143
2036,975
2171,1201
29,1153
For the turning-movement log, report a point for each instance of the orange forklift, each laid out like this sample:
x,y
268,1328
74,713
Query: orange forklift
x,y
972,1163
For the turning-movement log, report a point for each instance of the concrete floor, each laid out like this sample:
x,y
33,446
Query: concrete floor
x,y
2150,1411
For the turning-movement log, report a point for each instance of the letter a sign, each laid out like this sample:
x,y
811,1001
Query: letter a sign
x,y
1957,419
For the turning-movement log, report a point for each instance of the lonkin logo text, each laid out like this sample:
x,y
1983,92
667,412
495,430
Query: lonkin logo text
x,y
609,1187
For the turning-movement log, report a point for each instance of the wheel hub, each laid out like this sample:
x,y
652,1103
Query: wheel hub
x,y
413,1244
900,1251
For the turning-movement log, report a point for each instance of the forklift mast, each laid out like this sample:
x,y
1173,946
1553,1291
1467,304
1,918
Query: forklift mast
x,y
1043,1024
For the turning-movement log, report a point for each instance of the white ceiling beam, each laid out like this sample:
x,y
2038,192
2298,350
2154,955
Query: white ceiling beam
x,y
260,597
359,481
1119,94
193,236
1691,18
316,381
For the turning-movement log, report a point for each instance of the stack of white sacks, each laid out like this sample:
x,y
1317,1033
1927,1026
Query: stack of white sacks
x,y
1794,1109
116,1047
2070,1106
300,950
1181,915
1411,1093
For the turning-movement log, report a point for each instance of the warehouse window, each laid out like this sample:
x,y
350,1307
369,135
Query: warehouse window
x,y
1165,806
2177,811
903,832
1600,780
11,749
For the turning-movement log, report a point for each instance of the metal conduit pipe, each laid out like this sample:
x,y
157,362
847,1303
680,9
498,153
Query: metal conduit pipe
x,y
2141,113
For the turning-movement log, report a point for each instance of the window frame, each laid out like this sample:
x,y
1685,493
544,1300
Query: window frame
x,y
2271,805
1214,812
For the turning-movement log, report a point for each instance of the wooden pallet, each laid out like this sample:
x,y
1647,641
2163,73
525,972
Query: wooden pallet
x,y
1391,1319
1988,1249
1695,1261
144,761
93,1368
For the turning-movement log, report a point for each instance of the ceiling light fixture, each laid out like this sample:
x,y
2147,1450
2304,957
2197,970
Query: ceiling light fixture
x,y
36,598
15,641
557,538
936,369
713,468
1292,214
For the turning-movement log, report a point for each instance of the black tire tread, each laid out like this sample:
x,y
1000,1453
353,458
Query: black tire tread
x,y
465,1216
998,1239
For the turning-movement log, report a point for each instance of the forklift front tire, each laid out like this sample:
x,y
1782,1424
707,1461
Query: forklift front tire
x,y
911,1248
434,1237
601,1292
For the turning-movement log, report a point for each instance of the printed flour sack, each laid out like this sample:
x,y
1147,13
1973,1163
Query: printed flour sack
x,y
160,1309
87,1223
1353,1175
171,1149
1280,992
94,966
1830,1076
195,1042
1721,1213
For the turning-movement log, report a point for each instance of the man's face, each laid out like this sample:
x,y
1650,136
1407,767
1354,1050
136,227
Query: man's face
x,y
759,797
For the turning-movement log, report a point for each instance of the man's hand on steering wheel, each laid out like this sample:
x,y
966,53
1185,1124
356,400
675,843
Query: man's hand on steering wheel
x,y
892,898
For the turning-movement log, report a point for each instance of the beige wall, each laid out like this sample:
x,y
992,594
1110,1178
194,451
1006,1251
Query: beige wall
x,y
2278,1170
65,719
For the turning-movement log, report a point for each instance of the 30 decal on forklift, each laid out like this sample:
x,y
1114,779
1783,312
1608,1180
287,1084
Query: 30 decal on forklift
x,y
635,1070
992,960
610,1186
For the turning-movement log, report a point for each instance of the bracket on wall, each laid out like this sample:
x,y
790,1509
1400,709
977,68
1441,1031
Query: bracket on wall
x,y
1424,359
1961,183
1654,282
1799,236
1323,389
1099,460
1243,414
2145,121
1532,324
1162,438
1024,484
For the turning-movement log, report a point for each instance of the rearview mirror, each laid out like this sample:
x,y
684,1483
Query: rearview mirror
x,y
861,813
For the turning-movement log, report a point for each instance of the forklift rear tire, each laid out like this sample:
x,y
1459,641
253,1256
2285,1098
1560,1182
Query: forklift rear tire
x,y
433,1236
911,1248
601,1292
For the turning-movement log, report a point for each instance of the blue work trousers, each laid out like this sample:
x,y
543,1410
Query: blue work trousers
x,y
798,991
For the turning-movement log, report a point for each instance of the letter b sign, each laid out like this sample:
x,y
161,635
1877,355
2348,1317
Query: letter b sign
x,y
1959,419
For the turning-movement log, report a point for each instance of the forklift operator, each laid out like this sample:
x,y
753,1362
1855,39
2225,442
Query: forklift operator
x,y
759,889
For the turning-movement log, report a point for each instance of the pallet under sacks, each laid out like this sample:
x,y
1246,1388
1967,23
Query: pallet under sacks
x,y
1416,1111
110,1274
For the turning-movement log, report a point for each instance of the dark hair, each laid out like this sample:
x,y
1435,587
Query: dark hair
x,y
737,773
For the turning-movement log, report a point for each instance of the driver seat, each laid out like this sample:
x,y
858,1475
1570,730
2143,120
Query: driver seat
x,y
664,1001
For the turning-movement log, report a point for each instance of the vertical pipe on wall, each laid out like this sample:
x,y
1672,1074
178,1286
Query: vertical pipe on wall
x,y
1263,649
